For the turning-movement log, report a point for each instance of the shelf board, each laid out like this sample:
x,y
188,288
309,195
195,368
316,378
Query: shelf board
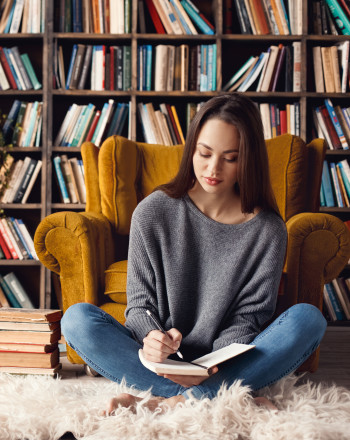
x,y
20,206
20,263
59,149
328,209
14,92
339,152
68,206
81,36
259,38
21,36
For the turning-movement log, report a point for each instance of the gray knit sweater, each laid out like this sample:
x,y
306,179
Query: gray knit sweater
x,y
215,283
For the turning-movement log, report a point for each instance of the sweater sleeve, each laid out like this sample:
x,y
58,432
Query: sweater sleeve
x,y
141,289
256,302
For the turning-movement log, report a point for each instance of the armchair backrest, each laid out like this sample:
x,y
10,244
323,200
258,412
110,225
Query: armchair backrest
x,y
122,172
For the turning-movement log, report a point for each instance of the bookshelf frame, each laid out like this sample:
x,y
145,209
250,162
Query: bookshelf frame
x,y
52,97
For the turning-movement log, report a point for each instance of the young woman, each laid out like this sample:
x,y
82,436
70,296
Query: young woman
x,y
205,257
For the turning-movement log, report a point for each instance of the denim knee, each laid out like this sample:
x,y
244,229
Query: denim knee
x,y
73,320
313,322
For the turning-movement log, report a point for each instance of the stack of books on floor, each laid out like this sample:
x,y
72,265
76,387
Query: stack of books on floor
x,y
29,341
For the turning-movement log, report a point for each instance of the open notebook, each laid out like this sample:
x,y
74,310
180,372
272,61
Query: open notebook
x,y
203,364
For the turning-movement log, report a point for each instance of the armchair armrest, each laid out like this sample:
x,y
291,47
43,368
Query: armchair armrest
x,y
318,249
79,247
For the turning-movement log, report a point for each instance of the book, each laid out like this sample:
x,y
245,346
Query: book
x,y
198,18
32,370
28,348
29,326
18,290
8,293
30,70
30,315
207,361
30,337
22,359
342,21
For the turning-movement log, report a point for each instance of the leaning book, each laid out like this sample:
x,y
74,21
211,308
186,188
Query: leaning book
x,y
198,367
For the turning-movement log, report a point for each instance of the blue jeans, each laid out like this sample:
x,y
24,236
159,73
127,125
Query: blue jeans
x,y
109,348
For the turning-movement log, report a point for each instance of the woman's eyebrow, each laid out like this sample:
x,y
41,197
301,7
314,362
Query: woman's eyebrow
x,y
211,149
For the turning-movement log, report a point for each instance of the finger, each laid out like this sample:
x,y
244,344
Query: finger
x,y
164,338
157,345
175,336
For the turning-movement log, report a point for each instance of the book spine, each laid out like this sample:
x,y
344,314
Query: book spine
x,y
21,248
340,17
60,179
21,237
336,124
8,242
8,292
336,185
30,71
27,237
198,20
17,289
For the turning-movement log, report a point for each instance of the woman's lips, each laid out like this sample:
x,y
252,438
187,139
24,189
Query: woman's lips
x,y
212,181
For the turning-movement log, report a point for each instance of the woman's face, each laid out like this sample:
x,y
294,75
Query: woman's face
x,y
215,160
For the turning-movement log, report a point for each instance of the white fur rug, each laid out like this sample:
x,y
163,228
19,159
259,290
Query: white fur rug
x,y
40,408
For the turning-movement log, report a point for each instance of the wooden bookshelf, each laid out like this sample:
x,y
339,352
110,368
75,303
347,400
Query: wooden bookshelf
x,y
232,50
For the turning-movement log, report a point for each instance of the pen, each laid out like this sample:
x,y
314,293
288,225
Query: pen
x,y
161,329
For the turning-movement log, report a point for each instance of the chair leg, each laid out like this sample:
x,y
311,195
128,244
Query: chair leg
x,y
90,372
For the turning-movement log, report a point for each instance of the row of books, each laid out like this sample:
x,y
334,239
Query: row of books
x,y
280,119
25,16
22,175
70,178
160,126
331,17
335,185
332,123
331,68
182,68
87,123
16,70
277,69
12,292
102,67
16,242
262,17
175,17
29,340
336,299
23,124
94,16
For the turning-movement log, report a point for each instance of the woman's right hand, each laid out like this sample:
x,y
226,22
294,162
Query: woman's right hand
x,y
158,346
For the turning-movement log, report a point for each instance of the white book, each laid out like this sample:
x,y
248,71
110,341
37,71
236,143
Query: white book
x,y
249,81
175,25
323,128
104,122
12,238
16,169
32,181
266,120
344,60
27,237
18,181
161,68
296,66
17,70
17,16
318,69
185,16
171,69
64,125
72,124
4,84
146,125
269,68
199,367
292,118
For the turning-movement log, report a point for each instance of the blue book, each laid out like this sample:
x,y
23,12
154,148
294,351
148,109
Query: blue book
x,y
71,65
99,123
149,56
336,185
9,20
327,185
336,123
197,19
9,295
286,15
7,128
204,66
85,116
344,177
20,235
335,302
115,120
14,73
181,18
340,17
60,179
77,16
322,197
214,67
31,123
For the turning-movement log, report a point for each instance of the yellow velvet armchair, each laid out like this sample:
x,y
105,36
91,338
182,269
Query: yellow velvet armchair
x,y
88,250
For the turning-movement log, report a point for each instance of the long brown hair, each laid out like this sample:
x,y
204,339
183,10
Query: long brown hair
x,y
253,184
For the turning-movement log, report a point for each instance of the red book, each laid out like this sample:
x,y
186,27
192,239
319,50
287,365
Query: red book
x,y
7,70
193,6
345,8
93,126
330,128
111,67
4,248
155,17
283,121
8,242
177,134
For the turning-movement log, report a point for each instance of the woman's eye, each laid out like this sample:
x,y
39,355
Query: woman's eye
x,y
204,155
234,159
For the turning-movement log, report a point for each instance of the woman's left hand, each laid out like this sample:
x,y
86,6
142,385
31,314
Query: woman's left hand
x,y
188,381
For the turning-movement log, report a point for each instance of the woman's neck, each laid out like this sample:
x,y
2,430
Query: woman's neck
x,y
224,208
